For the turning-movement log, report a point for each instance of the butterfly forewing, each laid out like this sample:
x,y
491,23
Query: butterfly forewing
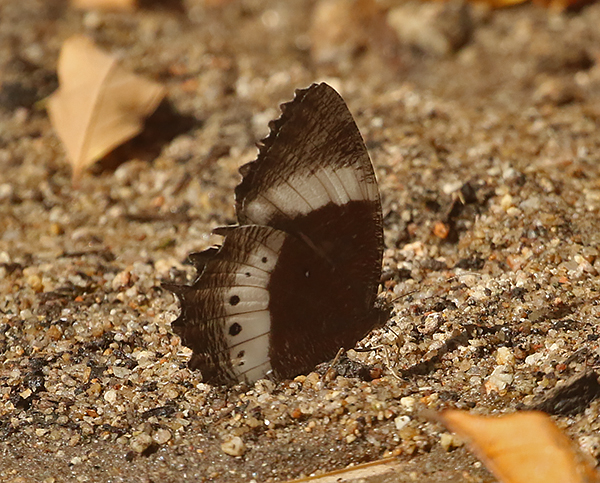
x,y
314,156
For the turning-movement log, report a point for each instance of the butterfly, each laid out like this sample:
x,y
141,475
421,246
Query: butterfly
x,y
297,278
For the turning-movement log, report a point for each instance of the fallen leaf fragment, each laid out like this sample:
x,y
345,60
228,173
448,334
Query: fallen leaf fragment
x,y
98,104
499,3
524,447
381,468
556,6
104,4
559,6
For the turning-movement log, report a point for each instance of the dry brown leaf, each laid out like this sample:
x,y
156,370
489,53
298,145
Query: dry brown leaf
x,y
98,104
504,3
104,4
524,447
554,5
499,3
381,468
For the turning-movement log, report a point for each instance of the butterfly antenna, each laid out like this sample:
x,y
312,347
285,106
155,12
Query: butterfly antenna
x,y
329,373
406,294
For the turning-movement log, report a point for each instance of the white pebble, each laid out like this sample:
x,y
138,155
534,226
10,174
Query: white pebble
x,y
534,359
161,436
110,396
140,442
120,372
500,379
449,441
401,421
506,202
408,403
233,446
504,356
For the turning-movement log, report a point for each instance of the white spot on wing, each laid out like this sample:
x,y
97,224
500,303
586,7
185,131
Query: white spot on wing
x,y
351,180
250,275
253,324
249,299
369,184
260,210
332,185
264,257
312,190
301,194
248,320
252,354
286,197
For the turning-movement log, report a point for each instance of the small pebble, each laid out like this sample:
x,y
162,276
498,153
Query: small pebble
x,y
110,396
408,403
435,28
501,378
401,421
450,441
504,356
161,436
233,446
140,442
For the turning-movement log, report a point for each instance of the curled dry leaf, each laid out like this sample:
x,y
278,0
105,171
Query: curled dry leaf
x,y
98,104
524,447
104,4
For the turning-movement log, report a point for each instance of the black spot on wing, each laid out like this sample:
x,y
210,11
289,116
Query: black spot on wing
x,y
235,329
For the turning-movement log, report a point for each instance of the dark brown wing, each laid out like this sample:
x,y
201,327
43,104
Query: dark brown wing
x,y
225,316
314,194
313,156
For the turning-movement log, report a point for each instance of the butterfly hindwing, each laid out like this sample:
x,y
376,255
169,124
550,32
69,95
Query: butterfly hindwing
x,y
225,314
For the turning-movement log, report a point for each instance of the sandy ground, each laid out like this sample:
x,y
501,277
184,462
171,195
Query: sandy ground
x,y
482,126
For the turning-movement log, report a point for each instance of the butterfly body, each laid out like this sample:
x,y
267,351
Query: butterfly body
x,y
297,279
